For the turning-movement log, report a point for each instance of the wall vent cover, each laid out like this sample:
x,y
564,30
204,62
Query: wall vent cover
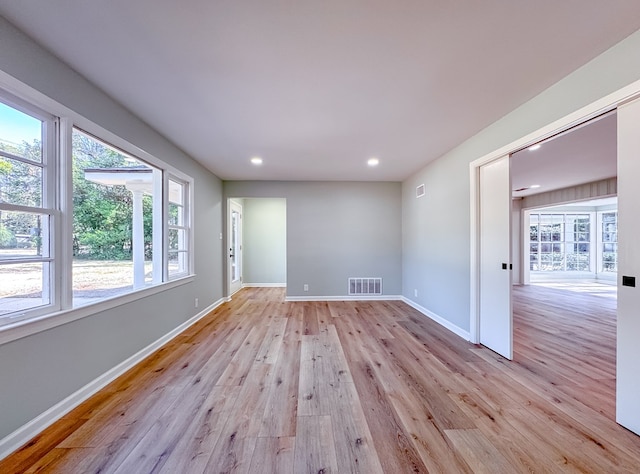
x,y
420,191
365,286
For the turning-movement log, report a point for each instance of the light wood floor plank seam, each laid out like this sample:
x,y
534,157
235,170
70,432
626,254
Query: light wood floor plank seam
x,y
263,386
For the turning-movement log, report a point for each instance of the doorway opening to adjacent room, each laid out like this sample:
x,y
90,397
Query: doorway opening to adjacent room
x,y
625,350
257,243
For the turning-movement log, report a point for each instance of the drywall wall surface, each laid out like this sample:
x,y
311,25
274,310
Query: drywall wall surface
x,y
436,227
335,230
38,371
264,241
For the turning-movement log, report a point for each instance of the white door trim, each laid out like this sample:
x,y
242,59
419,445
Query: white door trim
x,y
583,114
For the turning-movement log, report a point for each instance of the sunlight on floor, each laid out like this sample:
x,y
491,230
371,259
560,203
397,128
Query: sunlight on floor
x,y
601,288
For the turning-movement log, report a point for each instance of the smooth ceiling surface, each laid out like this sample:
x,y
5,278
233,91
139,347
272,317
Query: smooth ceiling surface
x,y
585,154
317,87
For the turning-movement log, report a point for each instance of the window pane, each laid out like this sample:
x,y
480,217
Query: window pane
x,y
533,261
20,134
23,235
176,192
20,183
177,251
175,215
177,262
23,286
112,222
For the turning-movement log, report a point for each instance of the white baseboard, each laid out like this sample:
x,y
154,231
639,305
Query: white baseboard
x,y
345,298
264,285
27,431
438,319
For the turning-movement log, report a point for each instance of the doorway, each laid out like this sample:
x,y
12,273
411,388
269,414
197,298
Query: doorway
x,y
628,325
235,247
256,243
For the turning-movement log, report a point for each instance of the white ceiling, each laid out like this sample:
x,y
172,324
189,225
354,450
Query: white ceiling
x,y
585,154
317,88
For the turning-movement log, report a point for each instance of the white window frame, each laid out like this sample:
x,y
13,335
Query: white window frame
x,y
59,195
47,206
186,226
601,242
563,242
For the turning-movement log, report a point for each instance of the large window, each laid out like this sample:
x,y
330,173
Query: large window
x,y
113,220
82,219
26,208
559,242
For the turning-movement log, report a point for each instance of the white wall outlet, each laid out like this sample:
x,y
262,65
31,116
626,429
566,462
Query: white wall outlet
x,y
220,235
415,292
305,287
196,302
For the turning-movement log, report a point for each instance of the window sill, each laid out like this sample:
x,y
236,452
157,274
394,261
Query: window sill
x,y
27,327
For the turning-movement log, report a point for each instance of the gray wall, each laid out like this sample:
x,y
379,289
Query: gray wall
x,y
38,371
264,241
334,231
436,232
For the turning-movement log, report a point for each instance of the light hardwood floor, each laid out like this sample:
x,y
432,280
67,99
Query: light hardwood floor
x,y
265,386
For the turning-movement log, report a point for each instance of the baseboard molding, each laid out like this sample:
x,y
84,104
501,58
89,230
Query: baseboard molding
x,y
264,285
345,298
26,432
439,319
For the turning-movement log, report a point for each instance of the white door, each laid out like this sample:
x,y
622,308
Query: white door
x,y
234,254
628,320
495,318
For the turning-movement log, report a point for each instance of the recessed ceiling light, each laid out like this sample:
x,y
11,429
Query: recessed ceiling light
x,y
373,162
256,160
534,147
534,186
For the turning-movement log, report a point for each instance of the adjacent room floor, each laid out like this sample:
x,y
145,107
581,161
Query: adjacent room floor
x,y
261,385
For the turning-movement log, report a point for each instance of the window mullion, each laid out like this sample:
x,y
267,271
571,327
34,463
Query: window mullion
x,y
63,243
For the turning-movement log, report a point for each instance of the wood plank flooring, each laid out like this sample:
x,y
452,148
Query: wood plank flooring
x,y
265,386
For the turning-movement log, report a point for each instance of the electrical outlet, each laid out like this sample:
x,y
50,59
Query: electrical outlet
x,y
306,287
196,302
415,292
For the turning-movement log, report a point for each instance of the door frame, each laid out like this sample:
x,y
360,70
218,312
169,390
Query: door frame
x,y
592,110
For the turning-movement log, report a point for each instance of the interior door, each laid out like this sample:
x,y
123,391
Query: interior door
x,y
628,322
495,316
235,247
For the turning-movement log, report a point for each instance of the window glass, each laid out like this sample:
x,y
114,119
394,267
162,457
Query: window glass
x,y
112,221
24,286
22,235
25,281
556,236
20,134
178,234
609,239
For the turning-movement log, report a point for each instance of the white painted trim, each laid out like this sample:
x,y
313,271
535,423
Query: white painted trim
x,y
26,432
583,114
438,319
345,298
33,325
264,285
